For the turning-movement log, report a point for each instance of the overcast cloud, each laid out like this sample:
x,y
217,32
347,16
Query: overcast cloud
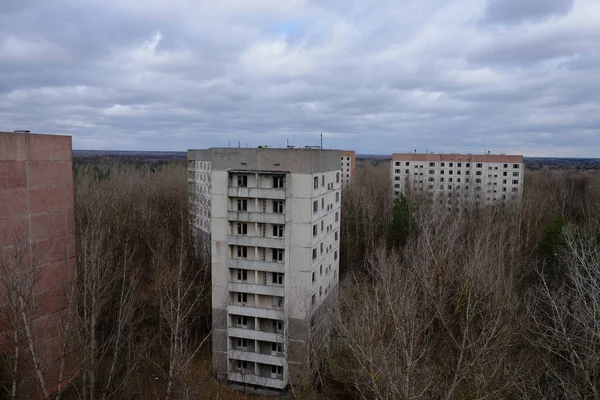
x,y
510,76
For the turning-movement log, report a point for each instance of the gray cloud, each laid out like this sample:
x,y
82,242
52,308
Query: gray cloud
x,y
377,77
516,11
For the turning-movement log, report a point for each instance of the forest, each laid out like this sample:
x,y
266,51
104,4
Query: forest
x,y
492,302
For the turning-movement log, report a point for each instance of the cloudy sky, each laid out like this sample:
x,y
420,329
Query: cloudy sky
x,y
378,76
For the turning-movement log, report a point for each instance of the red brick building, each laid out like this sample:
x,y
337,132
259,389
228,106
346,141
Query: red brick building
x,y
37,249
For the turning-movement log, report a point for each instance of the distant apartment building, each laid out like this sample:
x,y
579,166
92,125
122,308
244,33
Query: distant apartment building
x,y
348,166
458,178
273,219
37,249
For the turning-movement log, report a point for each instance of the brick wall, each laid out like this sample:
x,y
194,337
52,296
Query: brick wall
x,y
37,222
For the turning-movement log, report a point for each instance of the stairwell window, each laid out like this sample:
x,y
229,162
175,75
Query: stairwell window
x,y
242,205
277,255
278,230
277,278
278,206
278,182
242,274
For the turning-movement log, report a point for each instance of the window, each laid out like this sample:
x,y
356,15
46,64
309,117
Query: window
x,y
277,254
442,172
515,181
314,257
242,205
479,165
449,179
278,182
516,173
336,235
505,173
335,255
316,182
276,348
277,302
337,216
459,165
451,164
242,180
242,229
505,166
431,179
407,171
315,230
397,163
442,164
242,364
432,164
242,274
337,177
313,299
478,173
313,277
315,206
322,203
321,270
323,180
242,297
242,343
442,179
278,325
242,320
277,278
278,230
320,291
515,189
337,197
450,172
322,225
242,251
278,206
515,166
407,164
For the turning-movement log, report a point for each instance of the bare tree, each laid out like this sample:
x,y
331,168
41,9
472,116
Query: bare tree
x,y
566,316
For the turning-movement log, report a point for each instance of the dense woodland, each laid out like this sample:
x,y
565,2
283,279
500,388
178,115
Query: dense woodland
x,y
495,302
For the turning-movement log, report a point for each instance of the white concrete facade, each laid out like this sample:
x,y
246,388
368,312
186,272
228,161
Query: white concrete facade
x,y
484,179
275,234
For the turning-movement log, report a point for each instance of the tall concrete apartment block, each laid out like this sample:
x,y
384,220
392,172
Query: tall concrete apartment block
x,y
37,241
459,178
274,222
348,166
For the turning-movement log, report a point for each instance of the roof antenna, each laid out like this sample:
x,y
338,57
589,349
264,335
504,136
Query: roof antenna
x,y
321,140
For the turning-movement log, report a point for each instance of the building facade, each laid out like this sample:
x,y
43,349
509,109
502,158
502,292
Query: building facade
x,y
458,178
348,166
37,249
274,224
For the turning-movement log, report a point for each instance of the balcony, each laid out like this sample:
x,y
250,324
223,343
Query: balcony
x,y
255,357
252,288
256,380
256,193
256,241
252,216
258,265
249,311
255,335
